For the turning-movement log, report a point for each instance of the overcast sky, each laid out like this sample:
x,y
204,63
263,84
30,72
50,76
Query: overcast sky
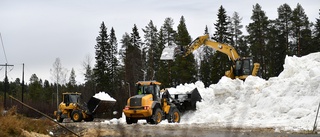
x,y
36,32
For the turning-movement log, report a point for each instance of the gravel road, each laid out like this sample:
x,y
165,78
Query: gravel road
x,y
89,129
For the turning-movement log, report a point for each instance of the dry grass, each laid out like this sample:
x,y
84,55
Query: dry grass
x,y
13,124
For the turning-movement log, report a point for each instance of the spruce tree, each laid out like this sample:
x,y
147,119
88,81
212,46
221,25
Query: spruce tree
x,y
206,65
163,74
132,57
72,81
316,33
125,54
243,48
284,24
114,65
301,31
102,51
151,42
89,85
136,54
236,21
168,31
258,30
183,68
168,35
276,50
222,35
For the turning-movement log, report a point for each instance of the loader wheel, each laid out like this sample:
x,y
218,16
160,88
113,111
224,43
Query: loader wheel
x,y
59,118
156,117
76,116
131,120
89,118
174,116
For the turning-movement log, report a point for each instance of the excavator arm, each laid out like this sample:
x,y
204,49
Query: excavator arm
x,y
204,40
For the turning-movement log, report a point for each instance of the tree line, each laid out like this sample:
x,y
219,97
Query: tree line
x,y
120,64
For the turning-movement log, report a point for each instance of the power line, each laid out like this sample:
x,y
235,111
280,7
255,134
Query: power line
x,y
4,51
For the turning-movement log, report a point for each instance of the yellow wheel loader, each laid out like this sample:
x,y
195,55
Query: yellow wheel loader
x,y
71,107
155,105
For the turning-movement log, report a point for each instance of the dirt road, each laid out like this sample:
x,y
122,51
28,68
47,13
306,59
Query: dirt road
x,y
89,129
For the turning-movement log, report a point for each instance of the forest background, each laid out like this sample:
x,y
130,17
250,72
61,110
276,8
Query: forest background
x,y
120,62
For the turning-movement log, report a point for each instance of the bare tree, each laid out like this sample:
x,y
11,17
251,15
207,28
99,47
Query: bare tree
x,y
58,75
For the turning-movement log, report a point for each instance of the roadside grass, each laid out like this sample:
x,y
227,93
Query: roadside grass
x,y
13,124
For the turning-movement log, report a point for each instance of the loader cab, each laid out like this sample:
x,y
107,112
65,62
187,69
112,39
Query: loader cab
x,y
149,87
71,98
244,66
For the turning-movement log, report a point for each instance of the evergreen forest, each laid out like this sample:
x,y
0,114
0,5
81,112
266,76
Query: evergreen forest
x,y
119,62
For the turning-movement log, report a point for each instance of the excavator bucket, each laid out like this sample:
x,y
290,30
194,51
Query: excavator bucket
x,y
168,53
187,101
97,106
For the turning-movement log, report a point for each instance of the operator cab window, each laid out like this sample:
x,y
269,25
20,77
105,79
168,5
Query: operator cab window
x,y
145,90
73,98
238,68
246,67
150,89
66,99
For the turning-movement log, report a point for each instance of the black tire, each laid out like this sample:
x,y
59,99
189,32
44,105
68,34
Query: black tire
x,y
148,120
89,118
156,117
76,116
59,118
131,120
128,120
174,116
134,120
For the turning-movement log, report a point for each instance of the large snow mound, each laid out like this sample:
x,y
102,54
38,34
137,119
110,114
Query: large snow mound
x,y
288,101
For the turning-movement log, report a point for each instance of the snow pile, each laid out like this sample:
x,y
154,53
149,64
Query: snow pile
x,y
104,96
288,102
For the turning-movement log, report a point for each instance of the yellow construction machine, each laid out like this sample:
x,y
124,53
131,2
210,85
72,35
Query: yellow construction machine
x,y
154,105
242,66
72,107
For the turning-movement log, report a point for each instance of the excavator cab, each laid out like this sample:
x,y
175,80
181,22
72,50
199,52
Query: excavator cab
x,y
243,67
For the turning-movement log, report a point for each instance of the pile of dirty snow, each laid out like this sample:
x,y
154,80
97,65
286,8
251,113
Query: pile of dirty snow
x,y
287,102
104,96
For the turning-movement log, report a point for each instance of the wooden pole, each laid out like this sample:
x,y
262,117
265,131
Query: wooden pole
x,y
45,116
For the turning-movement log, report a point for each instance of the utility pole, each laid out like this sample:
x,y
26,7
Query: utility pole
x,y
22,86
5,85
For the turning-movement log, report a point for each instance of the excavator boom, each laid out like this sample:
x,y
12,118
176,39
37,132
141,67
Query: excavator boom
x,y
204,40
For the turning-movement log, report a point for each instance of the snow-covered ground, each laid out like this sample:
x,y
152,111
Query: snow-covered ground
x,y
286,102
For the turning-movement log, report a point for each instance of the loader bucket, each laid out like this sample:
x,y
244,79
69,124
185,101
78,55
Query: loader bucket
x,y
168,53
97,106
188,101
92,104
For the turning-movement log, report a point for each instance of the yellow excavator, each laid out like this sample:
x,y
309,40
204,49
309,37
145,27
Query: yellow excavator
x,y
242,66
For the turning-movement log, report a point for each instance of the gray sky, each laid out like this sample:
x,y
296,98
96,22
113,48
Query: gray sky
x,y
36,32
